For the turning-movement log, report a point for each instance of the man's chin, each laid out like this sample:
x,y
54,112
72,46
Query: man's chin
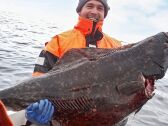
x,y
93,19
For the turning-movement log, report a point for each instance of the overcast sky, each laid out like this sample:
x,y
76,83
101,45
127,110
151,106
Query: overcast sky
x,y
127,20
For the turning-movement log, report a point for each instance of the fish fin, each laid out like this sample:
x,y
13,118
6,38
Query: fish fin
x,y
74,56
82,54
68,107
129,88
89,53
4,118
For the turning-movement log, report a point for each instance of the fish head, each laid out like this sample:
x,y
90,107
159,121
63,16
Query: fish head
x,y
23,94
15,104
18,101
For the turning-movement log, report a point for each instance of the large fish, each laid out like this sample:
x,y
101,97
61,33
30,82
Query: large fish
x,y
96,87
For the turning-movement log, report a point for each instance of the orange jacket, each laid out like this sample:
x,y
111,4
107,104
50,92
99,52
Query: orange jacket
x,y
76,38
4,118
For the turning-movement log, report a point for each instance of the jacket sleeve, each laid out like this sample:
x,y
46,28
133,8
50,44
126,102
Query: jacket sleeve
x,y
44,63
47,58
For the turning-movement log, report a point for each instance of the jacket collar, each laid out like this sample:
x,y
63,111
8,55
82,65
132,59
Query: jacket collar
x,y
86,26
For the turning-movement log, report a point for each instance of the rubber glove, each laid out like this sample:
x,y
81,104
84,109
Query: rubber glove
x,y
40,112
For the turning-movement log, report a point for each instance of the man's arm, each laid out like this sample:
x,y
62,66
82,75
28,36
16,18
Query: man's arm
x,y
44,63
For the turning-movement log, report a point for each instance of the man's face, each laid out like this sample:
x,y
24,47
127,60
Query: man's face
x,y
93,10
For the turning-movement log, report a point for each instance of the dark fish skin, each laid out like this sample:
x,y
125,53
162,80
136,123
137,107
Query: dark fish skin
x,y
96,87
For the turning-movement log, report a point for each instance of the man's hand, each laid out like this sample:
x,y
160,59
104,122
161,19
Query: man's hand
x,y
40,112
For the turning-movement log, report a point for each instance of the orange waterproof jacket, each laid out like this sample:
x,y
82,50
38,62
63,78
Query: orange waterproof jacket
x,y
4,118
76,38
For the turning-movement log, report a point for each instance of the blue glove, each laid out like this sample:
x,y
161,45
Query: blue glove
x,y
40,113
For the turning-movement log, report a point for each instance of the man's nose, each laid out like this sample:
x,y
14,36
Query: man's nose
x,y
94,10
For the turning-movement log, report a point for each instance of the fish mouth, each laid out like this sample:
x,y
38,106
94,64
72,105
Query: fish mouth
x,y
149,82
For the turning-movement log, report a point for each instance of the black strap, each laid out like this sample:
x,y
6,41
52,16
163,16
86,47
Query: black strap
x,y
92,39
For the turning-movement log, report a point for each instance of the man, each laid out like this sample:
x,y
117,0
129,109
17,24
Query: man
x,y
87,33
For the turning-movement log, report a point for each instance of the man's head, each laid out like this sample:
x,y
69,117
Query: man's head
x,y
93,9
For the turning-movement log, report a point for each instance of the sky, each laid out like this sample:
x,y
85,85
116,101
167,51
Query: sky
x,y
127,20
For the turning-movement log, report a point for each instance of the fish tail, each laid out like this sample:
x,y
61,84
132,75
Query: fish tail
x,y
4,118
